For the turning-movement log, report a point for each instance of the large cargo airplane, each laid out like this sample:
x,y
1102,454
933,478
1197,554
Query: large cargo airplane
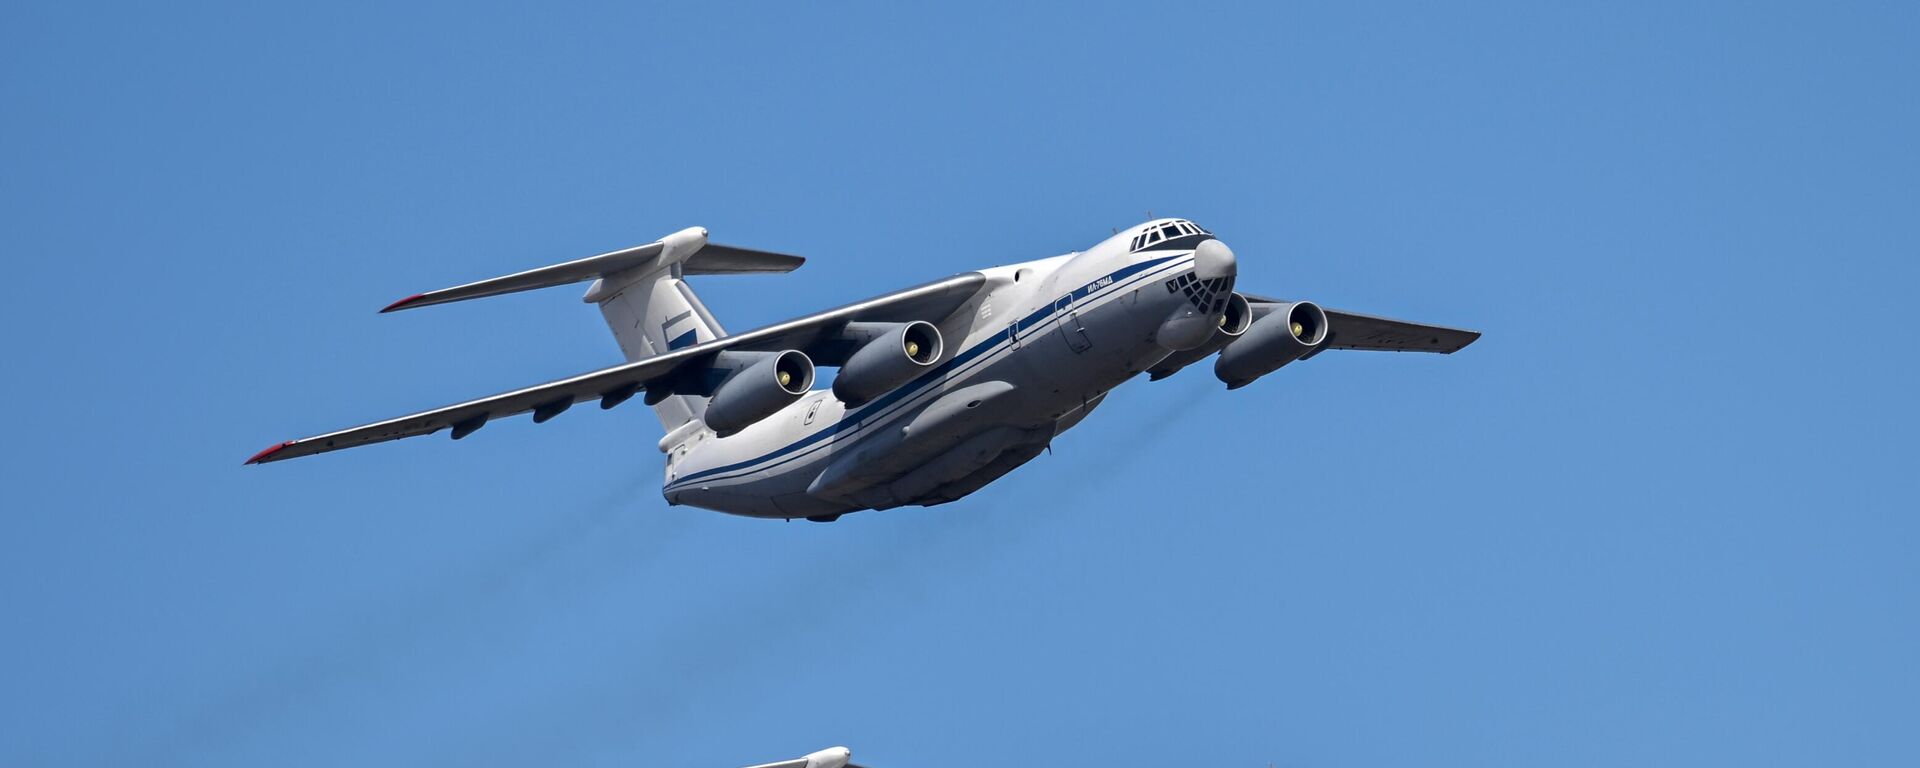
x,y
941,388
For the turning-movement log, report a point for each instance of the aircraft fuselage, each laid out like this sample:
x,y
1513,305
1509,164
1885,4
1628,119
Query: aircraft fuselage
x,y
1026,358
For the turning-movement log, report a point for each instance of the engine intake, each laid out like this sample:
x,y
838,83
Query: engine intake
x,y
772,381
1281,337
1237,317
895,353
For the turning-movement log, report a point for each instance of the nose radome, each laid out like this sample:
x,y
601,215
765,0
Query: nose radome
x,y
1212,259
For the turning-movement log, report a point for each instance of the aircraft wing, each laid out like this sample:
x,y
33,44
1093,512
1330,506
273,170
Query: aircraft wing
x,y
1352,330
612,386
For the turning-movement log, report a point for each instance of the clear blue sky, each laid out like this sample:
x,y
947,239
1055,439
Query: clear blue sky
x,y
1663,514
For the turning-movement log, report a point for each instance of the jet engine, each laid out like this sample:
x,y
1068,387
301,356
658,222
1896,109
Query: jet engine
x,y
773,380
1237,318
1281,337
1234,321
891,358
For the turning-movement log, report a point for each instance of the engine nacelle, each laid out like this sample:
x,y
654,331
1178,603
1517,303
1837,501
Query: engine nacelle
x,y
1281,337
1234,321
1237,318
895,354
772,381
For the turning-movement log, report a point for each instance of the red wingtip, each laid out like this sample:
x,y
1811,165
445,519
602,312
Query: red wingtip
x,y
402,304
262,456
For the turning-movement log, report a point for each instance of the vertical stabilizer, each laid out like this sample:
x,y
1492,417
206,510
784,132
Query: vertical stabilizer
x,y
653,313
641,294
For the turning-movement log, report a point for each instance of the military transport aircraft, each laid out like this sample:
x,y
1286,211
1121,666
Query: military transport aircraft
x,y
941,388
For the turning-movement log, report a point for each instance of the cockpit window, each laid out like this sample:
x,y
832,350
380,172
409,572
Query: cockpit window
x,y
1166,231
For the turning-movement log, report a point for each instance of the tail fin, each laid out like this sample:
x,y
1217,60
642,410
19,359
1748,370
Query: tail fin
x,y
655,312
647,305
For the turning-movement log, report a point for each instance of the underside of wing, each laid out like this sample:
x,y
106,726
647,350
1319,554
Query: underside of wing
x,y
611,386
817,334
1352,330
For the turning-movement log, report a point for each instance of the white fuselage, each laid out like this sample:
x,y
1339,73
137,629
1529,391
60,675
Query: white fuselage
x,y
1026,358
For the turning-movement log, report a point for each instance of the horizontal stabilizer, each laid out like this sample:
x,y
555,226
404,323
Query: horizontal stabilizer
x,y
717,259
688,248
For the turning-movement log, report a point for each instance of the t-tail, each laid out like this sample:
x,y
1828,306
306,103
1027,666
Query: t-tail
x,y
643,295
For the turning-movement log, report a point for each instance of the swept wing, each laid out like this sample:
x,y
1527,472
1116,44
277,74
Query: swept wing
x,y
612,386
1352,330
